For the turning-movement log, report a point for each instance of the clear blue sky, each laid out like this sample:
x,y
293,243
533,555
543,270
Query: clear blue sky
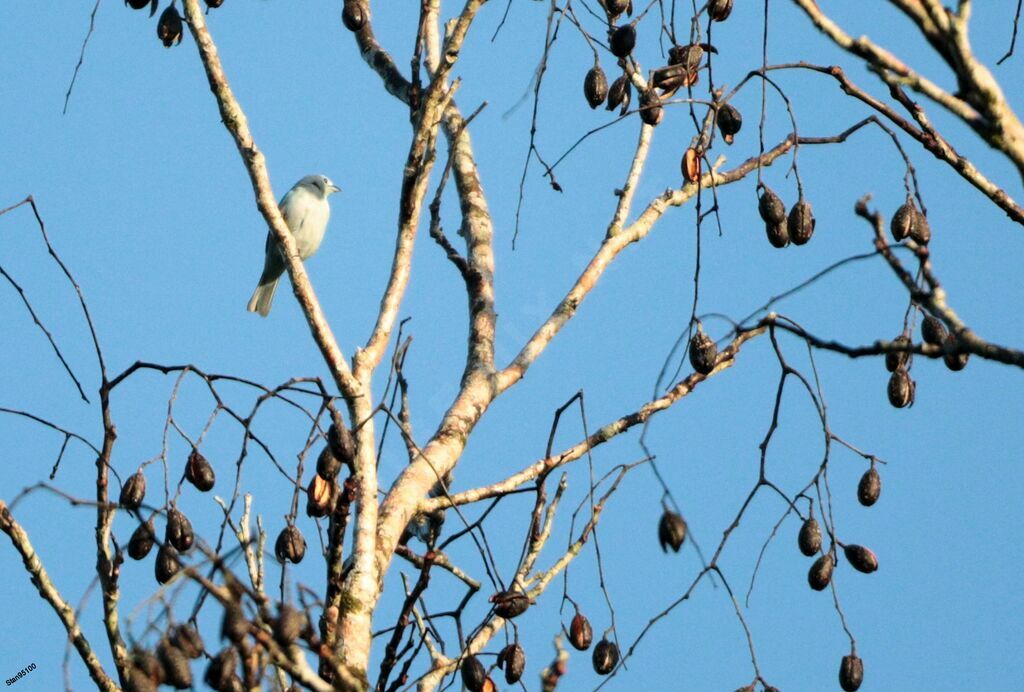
x,y
146,200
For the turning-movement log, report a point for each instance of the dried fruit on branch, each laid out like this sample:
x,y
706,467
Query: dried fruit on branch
x,y
199,472
319,496
147,671
901,388
290,545
903,220
820,573
619,94
133,492
617,7
898,359
473,674
801,222
651,110
167,564
513,659
327,465
862,559
141,4
179,530
510,604
869,488
719,10
342,444
671,531
809,538
729,121
221,671
778,234
851,673
186,637
691,165
169,29
581,634
595,86
234,626
289,625
770,207
177,673
933,331
920,231
605,657
703,352
214,4
353,16
141,541
623,40
953,357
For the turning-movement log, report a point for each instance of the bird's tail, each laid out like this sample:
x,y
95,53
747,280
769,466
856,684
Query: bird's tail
x,y
262,298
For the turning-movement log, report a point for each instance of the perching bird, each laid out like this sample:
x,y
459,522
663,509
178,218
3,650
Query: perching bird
x,y
306,211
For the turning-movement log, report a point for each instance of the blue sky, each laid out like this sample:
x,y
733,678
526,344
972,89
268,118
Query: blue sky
x,y
145,198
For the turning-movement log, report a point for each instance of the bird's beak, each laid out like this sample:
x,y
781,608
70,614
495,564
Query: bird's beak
x,y
334,188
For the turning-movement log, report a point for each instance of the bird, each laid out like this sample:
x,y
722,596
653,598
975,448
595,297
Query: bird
x,y
306,211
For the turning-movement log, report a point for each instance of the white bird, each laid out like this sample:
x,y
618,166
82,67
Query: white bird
x,y
306,211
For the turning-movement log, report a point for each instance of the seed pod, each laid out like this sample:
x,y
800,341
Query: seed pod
x,y
862,559
176,670
141,541
167,564
580,632
198,472
605,657
821,573
141,4
623,40
619,94
898,359
903,220
729,121
670,78
595,86
778,234
221,669
920,231
703,352
290,545
719,10
328,465
671,531
318,496
138,681
651,110
690,165
288,625
869,488
473,674
186,637
214,4
851,673
489,685
770,207
510,604
513,659
352,16
234,626
955,360
809,538
801,222
179,530
342,444
932,330
901,388
133,492
169,28
616,7
147,663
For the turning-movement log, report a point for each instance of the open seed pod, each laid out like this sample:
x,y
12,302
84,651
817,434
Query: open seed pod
x,y
605,657
141,541
199,472
179,530
820,573
167,564
473,674
619,94
801,222
862,559
221,670
581,634
770,207
932,330
352,16
186,637
703,351
898,359
809,538
177,673
169,28
671,531
513,660
920,231
901,388
133,492
903,220
290,545
319,496
729,121
954,359
851,673
623,40
719,10
510,604
870,487
651,110
690,165
595,86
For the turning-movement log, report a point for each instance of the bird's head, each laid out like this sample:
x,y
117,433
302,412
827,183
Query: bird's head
x,y
320,184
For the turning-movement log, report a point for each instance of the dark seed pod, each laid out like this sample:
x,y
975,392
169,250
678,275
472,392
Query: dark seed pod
x,y
778,234
651,110
221,670
141,541
671,531
801,222
719,10
619,94
510,604
869,488
770,207
290,545
179,530
901,388
289,625
623,40
851,673
198,472
932,330
897,359
595,86
186,638
473,674
920,231
809,538
136,4
729,121
177,673
605,657
862,559
327,465
319,496
167,564
616,7
703,352
214,4
352,16
139,682
513,659
821,573
690,165
234,626
133,492
581,634
147,663
903,220
169,28
342,444
954,359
